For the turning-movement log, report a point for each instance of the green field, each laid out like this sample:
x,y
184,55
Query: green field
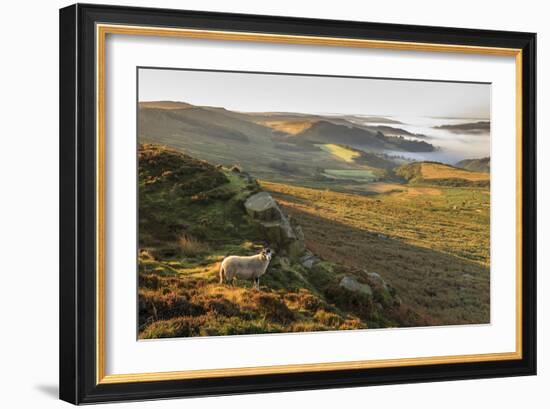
x,y
359,175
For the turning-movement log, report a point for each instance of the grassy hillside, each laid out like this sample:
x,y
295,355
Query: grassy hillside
x,y
228,138
476,165
165,105
471,127
345,153
441,174
430,242
196,121
191,216
326,132
288,127
349,154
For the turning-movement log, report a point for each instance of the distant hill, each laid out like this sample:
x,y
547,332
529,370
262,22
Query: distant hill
x,y
158,120
350,154
282,147
162,121
440,174
392,131
471,127
378,119
165,105
477,165
328,132
294,125
288,127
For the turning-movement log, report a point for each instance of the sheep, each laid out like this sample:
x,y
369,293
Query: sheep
x,y
251,267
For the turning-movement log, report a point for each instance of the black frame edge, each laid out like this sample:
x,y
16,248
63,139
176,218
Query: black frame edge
x,y
529,216
68,390
77,205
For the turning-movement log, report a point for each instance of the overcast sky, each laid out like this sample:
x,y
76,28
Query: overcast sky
x,y
324,95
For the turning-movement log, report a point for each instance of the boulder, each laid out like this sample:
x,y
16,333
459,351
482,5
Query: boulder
x,y
377,280
262,206
384,293
351,284
288,240
308,260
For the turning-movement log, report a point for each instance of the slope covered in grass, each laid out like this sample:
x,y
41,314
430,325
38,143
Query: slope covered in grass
x,y
376,163
288,127
476,165
441,174
430,242
326,132
345,153
191,216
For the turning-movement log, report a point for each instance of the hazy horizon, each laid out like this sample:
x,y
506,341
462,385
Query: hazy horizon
x,y
322,95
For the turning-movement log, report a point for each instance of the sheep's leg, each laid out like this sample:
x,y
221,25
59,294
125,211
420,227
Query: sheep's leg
x,y
222,273
257,283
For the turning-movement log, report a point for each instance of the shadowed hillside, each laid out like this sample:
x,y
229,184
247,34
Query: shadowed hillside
x,y
328,132
431,243
471,127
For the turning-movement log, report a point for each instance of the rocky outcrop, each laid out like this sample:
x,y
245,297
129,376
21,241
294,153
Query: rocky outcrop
x,y
308,260
288,240
385,294
263,207
351,284
377,280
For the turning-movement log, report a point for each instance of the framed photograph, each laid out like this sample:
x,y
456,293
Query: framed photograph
x,y
258,203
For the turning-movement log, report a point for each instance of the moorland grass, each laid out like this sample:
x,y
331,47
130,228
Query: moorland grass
x,y
430,244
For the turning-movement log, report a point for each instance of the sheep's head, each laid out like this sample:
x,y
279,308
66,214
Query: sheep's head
x,y
267,254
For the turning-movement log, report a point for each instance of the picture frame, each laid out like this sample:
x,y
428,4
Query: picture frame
x,y
83,213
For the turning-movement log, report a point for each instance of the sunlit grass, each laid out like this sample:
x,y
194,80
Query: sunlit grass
x,y
340,151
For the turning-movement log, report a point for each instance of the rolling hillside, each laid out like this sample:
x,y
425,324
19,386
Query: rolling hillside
x,y
165,105
280,147
191,215
441,174
352,155
161,120
288,127
470,127
476,165
430,242
328,132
